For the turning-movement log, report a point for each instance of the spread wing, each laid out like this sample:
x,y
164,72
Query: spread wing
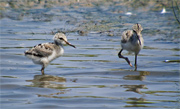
x,y
41,50
126,35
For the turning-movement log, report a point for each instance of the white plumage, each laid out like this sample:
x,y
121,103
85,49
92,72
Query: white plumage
x,y
132,41
44,53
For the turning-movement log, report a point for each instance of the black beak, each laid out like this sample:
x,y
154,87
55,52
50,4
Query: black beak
x,y
139,39
69,44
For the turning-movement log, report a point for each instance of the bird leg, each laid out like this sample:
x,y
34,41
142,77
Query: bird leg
x,y
135,62
121,56
42,70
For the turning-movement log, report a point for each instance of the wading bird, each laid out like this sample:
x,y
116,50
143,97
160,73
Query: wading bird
x,y
44,53
132,41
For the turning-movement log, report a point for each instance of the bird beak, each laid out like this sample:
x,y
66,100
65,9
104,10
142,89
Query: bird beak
x,y
139,39
69,44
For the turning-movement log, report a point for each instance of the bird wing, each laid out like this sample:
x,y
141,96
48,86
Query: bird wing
x,y
126,35
41,50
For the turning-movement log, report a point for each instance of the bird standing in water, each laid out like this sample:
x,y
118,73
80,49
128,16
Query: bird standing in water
x,y
44,53
132,41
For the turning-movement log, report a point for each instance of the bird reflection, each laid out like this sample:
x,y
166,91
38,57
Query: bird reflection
x,y
53,82
142,76
136,88
48,81
136,102
137,99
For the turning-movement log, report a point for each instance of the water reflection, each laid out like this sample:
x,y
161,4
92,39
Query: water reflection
x,y
141,76
136,102
136,88
53,82
48,81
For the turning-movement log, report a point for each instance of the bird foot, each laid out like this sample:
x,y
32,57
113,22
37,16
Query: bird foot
x,y
130,64
128,61
42,71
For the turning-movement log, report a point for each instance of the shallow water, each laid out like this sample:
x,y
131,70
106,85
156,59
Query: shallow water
x,y
91,75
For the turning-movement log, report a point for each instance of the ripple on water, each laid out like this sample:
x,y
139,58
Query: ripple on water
x,y
91,75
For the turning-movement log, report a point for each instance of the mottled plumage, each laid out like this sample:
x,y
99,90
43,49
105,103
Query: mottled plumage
x,y
132,41
44,53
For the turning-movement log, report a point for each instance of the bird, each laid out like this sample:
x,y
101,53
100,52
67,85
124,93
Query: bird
x,y
44,53
132,41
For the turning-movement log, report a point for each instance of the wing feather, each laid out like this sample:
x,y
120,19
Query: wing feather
x,y
41,50
126,35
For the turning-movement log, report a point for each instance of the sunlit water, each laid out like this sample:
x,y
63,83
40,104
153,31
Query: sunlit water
x,y
91,75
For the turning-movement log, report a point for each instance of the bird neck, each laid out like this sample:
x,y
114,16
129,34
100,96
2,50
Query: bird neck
x,y
58,43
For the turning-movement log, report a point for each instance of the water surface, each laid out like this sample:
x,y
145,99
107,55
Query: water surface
x,y
92,75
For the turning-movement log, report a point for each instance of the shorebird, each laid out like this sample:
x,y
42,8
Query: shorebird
x,y
132,41
44,53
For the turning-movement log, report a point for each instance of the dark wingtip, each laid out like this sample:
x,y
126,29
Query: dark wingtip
x,y
29,53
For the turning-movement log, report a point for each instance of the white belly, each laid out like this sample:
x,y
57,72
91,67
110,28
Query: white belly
x,y
46,60
132,47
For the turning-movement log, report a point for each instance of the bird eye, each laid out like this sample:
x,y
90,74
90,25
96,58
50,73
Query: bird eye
x,y
61,38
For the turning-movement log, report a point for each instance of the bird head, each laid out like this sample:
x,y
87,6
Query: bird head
x,y
60,38
137,27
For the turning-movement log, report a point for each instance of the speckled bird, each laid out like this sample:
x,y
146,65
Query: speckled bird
x,y
132,41
44,53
